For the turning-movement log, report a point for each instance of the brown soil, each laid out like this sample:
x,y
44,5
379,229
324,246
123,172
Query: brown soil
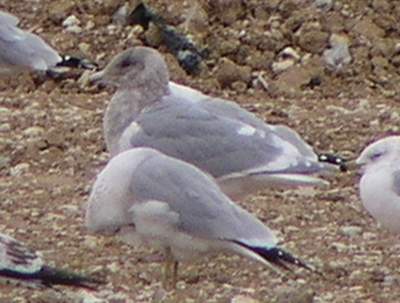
x,y
52,147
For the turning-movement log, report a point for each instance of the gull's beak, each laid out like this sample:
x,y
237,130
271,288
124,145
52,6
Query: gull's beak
x,y
352,165
97,78
359,164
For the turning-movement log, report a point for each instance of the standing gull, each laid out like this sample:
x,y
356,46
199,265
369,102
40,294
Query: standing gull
x,y
143,195
18,262
241,151
380,181
21,50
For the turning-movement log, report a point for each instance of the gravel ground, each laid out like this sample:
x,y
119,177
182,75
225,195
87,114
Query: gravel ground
x,y
271,57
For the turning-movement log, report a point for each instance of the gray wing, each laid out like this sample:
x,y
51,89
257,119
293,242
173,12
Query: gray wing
x,y
232,110
20,49
396,182
16,257
6,18
216,144
204,211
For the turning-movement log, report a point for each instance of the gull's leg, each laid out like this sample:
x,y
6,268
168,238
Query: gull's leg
x,y
174,274
169,270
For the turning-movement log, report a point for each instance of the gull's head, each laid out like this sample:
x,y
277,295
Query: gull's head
x,y
382,149
133,67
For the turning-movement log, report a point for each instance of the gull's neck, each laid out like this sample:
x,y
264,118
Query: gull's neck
x,y
126,105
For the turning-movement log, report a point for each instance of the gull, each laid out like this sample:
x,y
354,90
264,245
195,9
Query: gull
x,y
146,197
380,181
18,262
242,152
21,50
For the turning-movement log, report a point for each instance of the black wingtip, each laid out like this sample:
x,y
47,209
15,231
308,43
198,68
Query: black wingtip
x,y
52,276
335,160
69,61
278,256
49,276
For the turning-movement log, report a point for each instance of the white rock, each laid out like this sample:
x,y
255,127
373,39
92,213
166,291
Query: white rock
x,y
243,299
19,169
351,231
71,21
33,131
289,52
280,66
339,54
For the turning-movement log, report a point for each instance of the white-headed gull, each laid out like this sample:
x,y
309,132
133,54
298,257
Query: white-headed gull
x,y
380,181
147,197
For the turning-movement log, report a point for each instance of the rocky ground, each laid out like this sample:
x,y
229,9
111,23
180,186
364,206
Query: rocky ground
x,y
329,69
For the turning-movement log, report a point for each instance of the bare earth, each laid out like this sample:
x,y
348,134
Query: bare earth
x,y
51,148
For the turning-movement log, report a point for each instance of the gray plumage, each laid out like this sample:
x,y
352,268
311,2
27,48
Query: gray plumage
x,y
396,181
380,181
216,135
21,50
145,195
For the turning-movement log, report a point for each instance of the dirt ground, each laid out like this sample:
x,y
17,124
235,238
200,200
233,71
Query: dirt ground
x,y
51,145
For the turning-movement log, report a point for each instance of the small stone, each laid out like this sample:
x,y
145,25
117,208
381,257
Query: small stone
x,y
19,169
289,52
5,127
33,131
278,67
351,231
84,47
228,11
153,36
369,29
325,5
71,24
71,21
5,114
338,55
313,41
121,15
229,72
4,162
239,86
295,295
243,299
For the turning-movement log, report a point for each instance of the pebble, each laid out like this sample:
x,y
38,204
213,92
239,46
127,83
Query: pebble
x,y
338,55
5,113
243,299
4,162
19,169
325,5
5,127
278,67
33,131
71,24
351,231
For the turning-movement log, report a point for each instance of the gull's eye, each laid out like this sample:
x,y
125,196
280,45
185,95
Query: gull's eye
x,y
376,156
126,63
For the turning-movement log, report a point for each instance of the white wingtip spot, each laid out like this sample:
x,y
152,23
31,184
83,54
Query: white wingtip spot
x,y
246,130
